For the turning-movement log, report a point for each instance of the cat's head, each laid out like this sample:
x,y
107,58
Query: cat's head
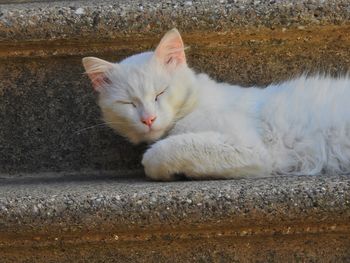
x,y
142,96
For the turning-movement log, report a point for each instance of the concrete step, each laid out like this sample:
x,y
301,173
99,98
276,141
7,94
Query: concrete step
x,y
71,191
40,19
108,218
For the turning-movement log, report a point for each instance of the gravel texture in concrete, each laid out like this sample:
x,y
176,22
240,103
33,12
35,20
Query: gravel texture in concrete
x,y
109,19
67,217
42,201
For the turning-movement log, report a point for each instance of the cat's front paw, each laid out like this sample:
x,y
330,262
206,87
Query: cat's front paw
x,y
156,164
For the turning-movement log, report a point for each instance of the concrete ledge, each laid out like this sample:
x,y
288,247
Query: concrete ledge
x,y
110,19
287,218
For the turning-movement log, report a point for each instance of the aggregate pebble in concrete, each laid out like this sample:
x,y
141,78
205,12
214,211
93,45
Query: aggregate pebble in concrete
x,y
94,202
109,19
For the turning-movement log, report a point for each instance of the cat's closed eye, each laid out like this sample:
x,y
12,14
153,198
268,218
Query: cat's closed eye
x,y
126,103
159,94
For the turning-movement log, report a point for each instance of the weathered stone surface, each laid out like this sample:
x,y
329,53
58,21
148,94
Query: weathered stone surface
x,y
46,112
109,19
66,219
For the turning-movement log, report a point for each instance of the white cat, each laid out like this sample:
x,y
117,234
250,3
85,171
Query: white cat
x,y
205,129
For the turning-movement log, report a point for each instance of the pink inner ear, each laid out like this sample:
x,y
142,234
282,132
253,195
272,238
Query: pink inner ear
x,y
97,70
177,56
98,80
171,50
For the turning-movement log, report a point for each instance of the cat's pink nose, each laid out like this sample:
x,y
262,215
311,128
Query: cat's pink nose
x,y
149,120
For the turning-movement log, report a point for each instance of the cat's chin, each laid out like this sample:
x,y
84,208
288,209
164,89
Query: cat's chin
x,y
149,136
153,135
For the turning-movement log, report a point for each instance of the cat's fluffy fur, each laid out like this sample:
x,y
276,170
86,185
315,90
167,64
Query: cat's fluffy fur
x,y
203,129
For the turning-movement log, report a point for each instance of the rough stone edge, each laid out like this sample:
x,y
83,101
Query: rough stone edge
x,y
269,219
110,19
130,205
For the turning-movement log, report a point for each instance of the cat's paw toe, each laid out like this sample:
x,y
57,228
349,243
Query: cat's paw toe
x,y
155,166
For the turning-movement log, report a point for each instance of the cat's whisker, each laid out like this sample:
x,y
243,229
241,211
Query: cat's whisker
x,y
90,127
105,125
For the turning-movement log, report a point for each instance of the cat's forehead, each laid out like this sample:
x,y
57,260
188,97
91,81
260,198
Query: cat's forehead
x,y
138,77
132,80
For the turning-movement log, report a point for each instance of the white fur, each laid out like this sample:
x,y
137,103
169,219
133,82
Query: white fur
x,y
206,129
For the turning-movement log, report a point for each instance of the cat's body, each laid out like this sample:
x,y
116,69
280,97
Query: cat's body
x,y
205,129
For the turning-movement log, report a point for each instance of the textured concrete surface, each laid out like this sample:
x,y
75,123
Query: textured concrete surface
x,y
108,19
45,109
66,218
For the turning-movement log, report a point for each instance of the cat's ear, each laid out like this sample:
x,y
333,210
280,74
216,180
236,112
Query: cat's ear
x,y
171,50
96,69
